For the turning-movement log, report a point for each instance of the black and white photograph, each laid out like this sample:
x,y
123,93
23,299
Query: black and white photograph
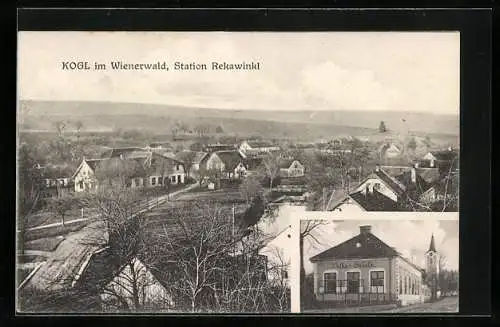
x,y
160,171
379,266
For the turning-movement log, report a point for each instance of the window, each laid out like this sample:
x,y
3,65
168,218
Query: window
x,y
330,282
377,281
80,185
172,179
160,181
400,286
353,282
376,186
153,180
178,167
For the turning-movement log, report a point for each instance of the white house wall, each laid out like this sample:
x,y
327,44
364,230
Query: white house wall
x,y
85,175
151,292
383,188
349,207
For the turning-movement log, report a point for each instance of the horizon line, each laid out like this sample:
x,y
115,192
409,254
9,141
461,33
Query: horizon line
x,y
244,109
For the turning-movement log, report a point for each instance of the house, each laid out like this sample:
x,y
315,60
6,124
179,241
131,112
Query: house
x,y
140,169
278,252
163,169
163,146
291,186
365,270
291,168
122,284
124,153
443,193
229,163
219,147
389,150
84,177
380,191
442,158
255,147
253,164
55,180
192,160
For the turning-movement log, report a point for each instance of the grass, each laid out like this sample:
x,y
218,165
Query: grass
x,y
48,244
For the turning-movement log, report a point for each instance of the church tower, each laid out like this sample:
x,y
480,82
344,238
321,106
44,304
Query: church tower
x,y
432,268
431,255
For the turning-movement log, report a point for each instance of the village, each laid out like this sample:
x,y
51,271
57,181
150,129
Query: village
x,y
68,204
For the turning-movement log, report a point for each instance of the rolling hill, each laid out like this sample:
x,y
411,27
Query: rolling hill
x,y
301,124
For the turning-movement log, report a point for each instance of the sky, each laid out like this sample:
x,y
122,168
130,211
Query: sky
x,y
410,238
390,71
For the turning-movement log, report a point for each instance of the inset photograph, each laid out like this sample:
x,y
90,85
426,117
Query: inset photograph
x,y
379,266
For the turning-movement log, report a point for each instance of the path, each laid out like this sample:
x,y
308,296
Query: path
x,y
65,261
147,206
447,304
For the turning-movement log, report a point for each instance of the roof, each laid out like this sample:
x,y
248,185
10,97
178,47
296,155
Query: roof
x,y
253,162
337,197
260,144
116,152
375,201
94,162
155,144
392,183
371,247
287,162
432,246
445,155
231,159
69,257
419,187
57,171
195,156
384,147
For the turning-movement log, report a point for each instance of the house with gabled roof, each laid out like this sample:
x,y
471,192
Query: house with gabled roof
x,y
144,169
290,168
390,150
365,270
255,147
380,191
229,163
278,249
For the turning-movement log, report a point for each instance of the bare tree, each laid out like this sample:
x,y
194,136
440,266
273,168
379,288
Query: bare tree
x,y
129,248
213,268
251,187
271,164
29,182
308,230
62,205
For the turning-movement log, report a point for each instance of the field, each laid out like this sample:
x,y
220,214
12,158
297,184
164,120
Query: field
x,y
105,118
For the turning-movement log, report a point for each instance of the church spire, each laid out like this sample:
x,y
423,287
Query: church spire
x,y
432,247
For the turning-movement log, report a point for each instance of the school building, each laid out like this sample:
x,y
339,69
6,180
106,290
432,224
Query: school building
x,y
364,270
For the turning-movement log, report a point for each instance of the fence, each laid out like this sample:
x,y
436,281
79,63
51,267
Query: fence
x,y
353,293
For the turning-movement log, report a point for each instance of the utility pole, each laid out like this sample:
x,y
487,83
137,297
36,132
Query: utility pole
x,y
324,198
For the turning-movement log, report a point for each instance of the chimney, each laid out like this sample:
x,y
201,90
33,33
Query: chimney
x,y
413,175
365,229
377,168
